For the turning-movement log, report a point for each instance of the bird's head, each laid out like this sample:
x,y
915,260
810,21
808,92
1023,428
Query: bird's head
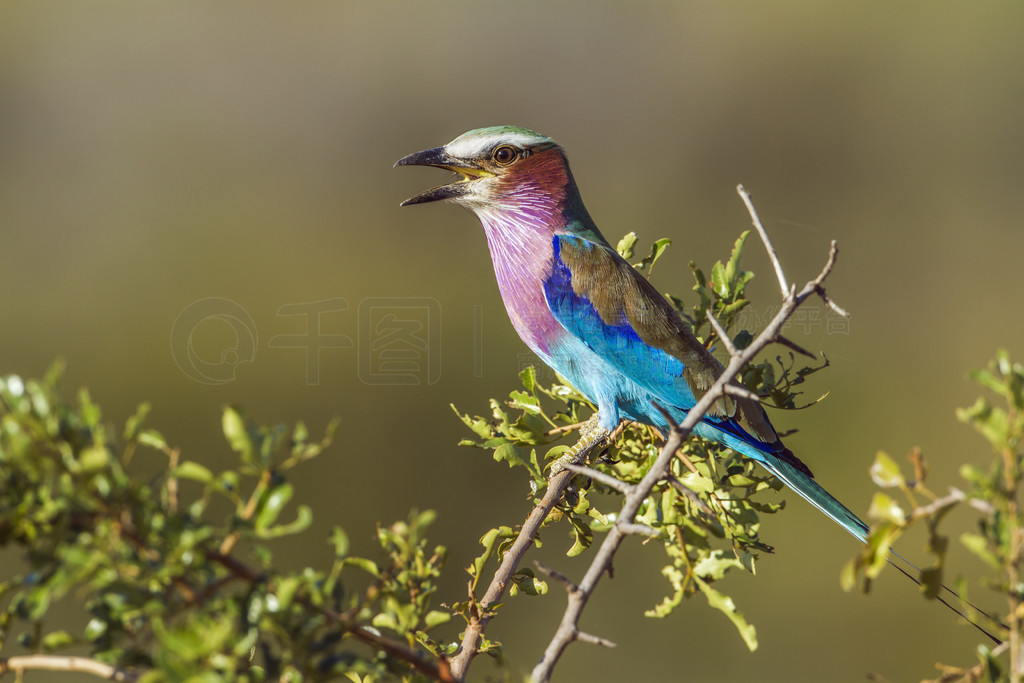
x,y
498,167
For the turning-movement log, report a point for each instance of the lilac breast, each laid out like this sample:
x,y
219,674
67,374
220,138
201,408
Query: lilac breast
x,y
520,242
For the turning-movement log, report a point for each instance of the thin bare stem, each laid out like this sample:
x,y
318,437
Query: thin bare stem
x,y
606,479
23,663
740,392
691,496
955,496
595,640
796,347
772,254
229,542
564,429
557,576
720,331
482,614
640,530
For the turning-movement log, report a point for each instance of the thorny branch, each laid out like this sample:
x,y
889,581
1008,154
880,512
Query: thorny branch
x,y
481,612
578,595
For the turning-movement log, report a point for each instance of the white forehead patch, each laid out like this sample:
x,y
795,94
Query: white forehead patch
x,y
477,143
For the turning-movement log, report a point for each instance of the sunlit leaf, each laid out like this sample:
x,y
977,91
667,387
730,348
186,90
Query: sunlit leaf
x,y
885,472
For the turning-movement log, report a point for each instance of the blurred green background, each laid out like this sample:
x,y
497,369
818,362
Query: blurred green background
x,y
157,155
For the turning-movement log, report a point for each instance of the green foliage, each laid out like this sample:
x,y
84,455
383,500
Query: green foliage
x,y
992,492
153,563
707,515
174,574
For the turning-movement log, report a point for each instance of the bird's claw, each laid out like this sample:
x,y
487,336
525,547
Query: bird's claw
x,y
591,435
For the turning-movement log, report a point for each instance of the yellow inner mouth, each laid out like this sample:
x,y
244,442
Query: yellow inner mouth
x,y
467,173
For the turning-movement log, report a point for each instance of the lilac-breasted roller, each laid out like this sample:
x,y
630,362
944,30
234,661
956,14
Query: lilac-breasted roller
x,y
588,313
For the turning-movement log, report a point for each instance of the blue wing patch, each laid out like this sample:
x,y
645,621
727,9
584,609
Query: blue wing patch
x,y
651,373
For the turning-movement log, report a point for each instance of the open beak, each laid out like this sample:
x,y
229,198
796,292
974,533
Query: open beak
x,y
439,158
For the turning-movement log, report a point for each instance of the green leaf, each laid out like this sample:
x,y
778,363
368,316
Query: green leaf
x,y
134,423
193,471
978,545
95,629
726,606
719,281
237,434
732,268
480,426
885,472
274,501
714,566
885,509
993,423
524,401
94,458
657,249
529,378
848,575
303,518
286,590
626,245
436,618
582,534
339,539
489,541
153,439
526,582
511,454
368,566
56,640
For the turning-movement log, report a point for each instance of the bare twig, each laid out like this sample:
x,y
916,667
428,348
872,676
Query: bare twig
x,y
640,530
741,392
606,479
481,616
568,629
785,341
596,640
557,576
955,496
769,247
23,663
174,456
229,542
975,673
564,429
722,334
691,495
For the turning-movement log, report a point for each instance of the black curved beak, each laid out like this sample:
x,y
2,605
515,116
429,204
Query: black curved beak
x,y
439,158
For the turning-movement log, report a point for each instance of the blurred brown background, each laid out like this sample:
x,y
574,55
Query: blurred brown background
x,y
156,156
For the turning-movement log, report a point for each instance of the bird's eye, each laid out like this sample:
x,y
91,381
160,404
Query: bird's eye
x,y
505,155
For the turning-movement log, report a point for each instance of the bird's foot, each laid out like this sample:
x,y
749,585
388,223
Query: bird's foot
x,y
591,435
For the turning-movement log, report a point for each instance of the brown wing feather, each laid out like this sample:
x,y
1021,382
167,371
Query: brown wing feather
x,y
620,294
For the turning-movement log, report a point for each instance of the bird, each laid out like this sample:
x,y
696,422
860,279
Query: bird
x,y
591,316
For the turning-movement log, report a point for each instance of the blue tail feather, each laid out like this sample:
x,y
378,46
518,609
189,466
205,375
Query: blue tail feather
x,y
804,484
